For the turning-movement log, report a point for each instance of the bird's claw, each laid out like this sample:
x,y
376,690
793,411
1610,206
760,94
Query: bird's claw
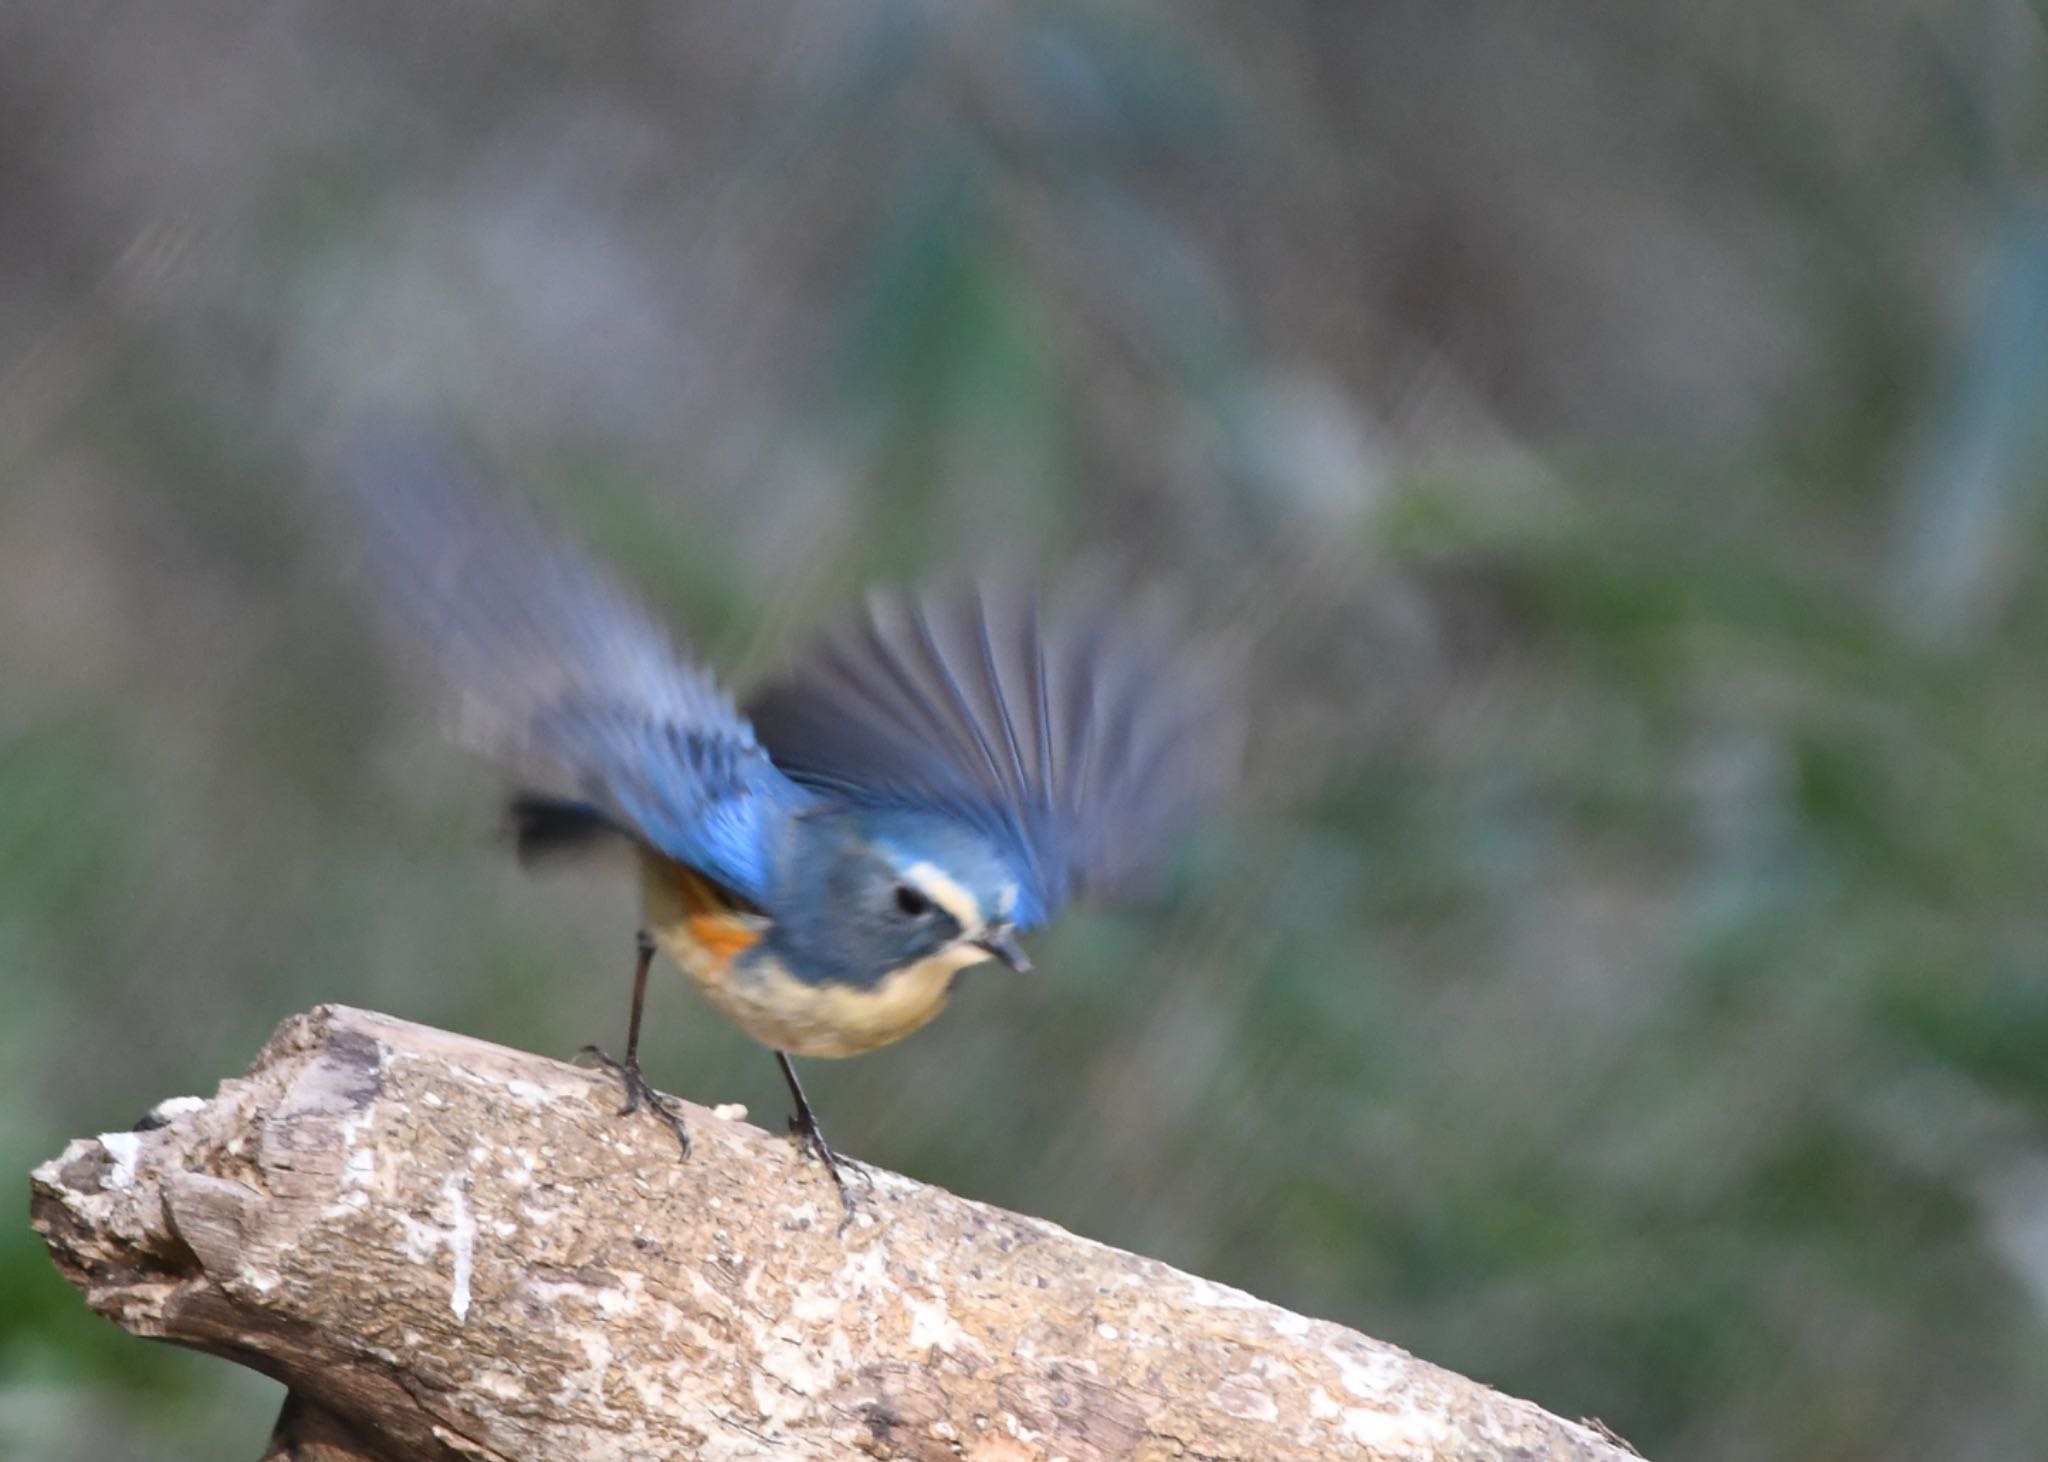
x,y
804,1128
638,1089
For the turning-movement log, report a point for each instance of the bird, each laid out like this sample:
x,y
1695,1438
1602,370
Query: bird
x,y
937,776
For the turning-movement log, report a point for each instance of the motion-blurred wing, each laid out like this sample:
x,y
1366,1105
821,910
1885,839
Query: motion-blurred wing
x,y
1083,742
558,672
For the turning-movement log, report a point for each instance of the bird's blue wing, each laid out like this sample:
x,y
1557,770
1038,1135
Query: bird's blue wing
x,y
557,672
1081,742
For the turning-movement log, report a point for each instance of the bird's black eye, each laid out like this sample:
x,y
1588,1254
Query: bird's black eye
x,y
910,903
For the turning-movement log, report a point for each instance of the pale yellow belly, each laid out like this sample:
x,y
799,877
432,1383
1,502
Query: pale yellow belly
x,y
786,1014
773,1007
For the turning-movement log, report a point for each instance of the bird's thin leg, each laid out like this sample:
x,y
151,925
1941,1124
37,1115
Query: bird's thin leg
x,y
804,1126
637,1090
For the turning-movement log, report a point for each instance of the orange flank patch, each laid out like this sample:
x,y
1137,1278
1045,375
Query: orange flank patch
x,y
713,922
724,938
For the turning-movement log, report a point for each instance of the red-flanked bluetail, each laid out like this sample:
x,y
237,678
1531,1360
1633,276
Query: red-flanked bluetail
x,y
937,777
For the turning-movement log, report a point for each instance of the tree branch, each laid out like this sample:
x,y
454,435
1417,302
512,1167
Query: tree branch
x,y
446,1249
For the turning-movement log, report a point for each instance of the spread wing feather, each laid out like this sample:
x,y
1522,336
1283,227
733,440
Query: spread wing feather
x,y
1082,742
558,672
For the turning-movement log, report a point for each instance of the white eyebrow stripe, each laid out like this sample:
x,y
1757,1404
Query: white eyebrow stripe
x,y
942,889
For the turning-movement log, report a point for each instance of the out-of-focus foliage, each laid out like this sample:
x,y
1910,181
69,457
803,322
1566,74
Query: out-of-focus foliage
x,y
1614,435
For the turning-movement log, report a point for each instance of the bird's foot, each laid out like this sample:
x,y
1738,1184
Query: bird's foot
x,y
638,1090
804,1128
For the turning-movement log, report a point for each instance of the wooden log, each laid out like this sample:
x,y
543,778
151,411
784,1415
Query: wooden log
x,y
447,1249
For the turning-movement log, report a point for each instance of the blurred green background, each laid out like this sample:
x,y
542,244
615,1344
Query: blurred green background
x,y
1615,432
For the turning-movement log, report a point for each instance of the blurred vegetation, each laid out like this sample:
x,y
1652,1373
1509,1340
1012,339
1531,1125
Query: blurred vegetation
x,y
1615,434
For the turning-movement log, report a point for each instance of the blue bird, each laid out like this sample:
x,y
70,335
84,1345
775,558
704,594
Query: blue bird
x,y
938,776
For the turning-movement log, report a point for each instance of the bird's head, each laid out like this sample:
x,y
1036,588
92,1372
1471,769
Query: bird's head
x,y
878,890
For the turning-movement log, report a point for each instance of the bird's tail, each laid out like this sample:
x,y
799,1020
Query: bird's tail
x,y
545,829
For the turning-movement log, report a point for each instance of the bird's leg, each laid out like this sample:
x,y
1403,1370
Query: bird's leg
x,y
636,1087
804,1127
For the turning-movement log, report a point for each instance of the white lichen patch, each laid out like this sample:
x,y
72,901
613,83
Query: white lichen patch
x,y
730,1111
802,1366
796,1215
500,1384
770,1403
171,1108
360,1171
932,1326
1373,1377
527,1093
581,1302
125,1148
1220,1296
863,1272
461,1247
423,1239
1400,1432
622,1299
813,1307
355,1124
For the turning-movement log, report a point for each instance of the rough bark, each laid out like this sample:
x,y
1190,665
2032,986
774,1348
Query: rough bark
x,y
446,1249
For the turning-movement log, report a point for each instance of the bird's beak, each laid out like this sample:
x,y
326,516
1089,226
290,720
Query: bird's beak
x,y
1001,942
